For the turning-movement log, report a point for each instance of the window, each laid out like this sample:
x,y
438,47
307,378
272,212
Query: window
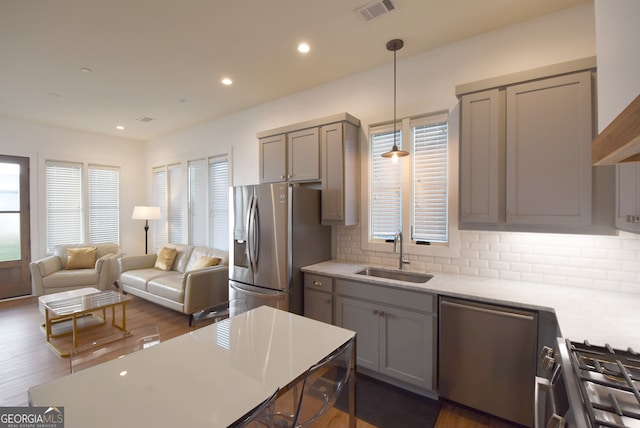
x,y
410,195
72,218
104,204
167,196
209,202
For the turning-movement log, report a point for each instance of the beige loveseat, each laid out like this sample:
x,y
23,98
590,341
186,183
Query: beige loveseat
x,y
75,266
183,287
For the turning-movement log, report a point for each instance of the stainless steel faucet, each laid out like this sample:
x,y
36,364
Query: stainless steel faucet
x,y
398,238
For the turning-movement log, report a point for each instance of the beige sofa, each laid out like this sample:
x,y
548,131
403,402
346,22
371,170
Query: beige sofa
x,y
55,273
181,288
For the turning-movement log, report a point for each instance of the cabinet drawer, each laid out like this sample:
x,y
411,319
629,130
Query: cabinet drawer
x,y
423,302
318,283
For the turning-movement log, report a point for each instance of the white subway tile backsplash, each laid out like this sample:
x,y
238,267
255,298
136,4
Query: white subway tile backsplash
x,y
593,262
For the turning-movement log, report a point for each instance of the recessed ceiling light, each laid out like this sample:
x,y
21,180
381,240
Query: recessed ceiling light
x,y
303,48
227,81
120,128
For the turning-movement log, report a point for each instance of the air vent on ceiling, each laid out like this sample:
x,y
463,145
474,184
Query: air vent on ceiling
x,y
375,9
144,119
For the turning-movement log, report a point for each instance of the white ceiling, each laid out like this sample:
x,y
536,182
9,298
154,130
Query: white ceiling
x,y
164,59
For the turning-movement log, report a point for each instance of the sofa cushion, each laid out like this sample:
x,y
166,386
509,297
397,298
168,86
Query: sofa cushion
x,y
138,278
182,257
168,286
166,257
205,262
71,278
81,258
207,252
102,249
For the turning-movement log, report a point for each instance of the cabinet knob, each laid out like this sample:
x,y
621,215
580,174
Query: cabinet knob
x,y
317,283
289,176
381,313
282,177
375,312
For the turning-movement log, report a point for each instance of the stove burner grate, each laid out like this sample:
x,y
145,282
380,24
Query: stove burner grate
x,y
609,382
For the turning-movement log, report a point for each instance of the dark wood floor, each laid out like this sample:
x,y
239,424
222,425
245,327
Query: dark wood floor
x,y
27,360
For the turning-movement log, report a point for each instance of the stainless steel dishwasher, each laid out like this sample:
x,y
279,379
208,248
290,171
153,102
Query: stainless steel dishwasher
x,y
487,358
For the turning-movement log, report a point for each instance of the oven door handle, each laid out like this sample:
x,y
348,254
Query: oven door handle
x,y
544,415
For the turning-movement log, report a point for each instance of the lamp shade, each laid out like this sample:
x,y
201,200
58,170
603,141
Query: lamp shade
x,y
146,213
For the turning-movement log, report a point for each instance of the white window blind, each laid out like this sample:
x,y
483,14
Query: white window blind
x,y
104,204
430,140
198,202
219,202
209,202
175,203
160,200
386,185
63,183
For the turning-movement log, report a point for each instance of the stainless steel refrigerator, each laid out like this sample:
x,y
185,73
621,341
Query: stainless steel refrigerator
x,y
276,229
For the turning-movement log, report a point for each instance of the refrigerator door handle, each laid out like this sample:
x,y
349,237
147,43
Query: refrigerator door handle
x,y
253,233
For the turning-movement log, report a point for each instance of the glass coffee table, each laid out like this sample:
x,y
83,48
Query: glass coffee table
x,y
74,309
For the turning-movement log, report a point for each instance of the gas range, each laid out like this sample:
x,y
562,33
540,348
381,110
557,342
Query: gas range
x,y
607,381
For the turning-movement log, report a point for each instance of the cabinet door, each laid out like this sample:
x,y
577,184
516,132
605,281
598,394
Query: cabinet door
x,y
482,157
273,159
361,317
304,155
318,305
407,346
548,151
332,172
627,197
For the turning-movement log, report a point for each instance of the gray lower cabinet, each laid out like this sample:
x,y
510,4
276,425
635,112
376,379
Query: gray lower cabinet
x,y
318,297
396,331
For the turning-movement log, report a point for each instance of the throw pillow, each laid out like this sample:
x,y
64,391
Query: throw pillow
x,y
81,257
165,258
204,262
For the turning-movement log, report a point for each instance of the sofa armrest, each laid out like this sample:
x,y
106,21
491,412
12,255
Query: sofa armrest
x,y
204,288
136,262
41,268
48,265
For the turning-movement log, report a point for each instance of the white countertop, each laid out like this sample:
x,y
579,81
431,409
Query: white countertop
x,y
209,377
597,316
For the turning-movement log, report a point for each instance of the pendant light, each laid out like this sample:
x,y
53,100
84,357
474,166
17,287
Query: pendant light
x,y
395,45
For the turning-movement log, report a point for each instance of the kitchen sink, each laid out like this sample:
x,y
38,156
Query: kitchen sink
x,y
397,275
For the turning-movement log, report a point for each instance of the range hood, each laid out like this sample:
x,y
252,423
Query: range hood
x,y
620,141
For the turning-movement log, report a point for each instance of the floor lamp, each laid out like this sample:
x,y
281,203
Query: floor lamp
x,y
146,214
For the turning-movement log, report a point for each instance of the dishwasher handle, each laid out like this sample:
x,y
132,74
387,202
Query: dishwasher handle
x,y
504,312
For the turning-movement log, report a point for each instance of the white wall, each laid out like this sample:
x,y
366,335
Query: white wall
x,y
618,56
41,143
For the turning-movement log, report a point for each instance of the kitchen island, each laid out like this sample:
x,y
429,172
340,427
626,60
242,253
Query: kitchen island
x,y
582,314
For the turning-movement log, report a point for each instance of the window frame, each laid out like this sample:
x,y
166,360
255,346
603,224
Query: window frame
x,y
452,247
83,231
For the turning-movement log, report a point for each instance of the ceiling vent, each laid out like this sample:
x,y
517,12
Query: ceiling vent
x,y
375,9
144,119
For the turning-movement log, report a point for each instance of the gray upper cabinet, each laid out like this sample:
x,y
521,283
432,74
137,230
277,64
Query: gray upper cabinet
x,y
340,174
628,197
481,155
273,159
290,157
320,153
303,149
549,135
525,154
